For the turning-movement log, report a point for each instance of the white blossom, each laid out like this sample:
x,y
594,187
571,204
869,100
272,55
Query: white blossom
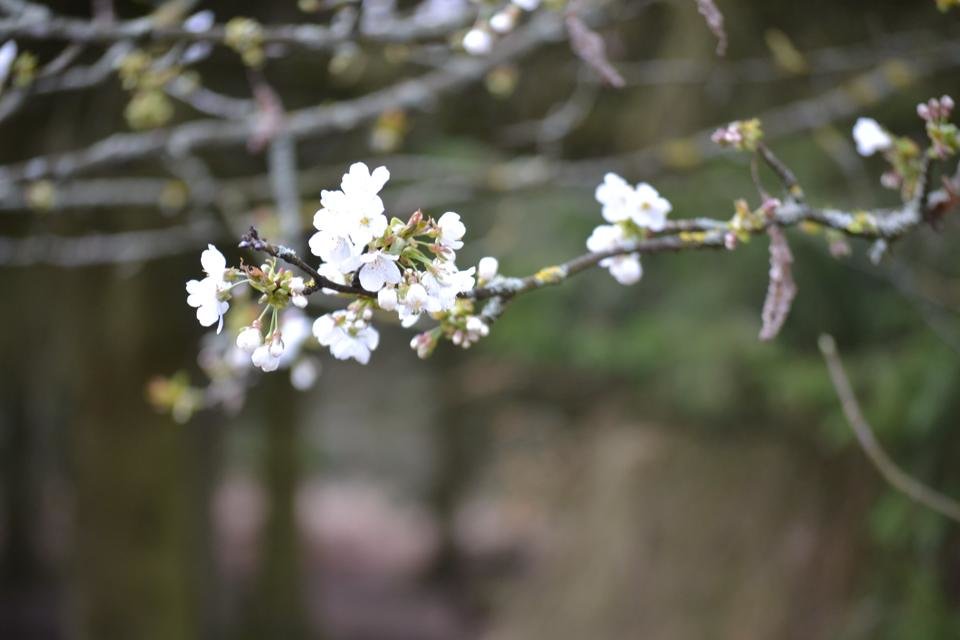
x,y
415,301
870,137
297,286
355,211
625,269
364,206
643,204
249,339
387,298
451,230
276,346
478,42
263,358
378,268
205,294
346,336
605,237
487,268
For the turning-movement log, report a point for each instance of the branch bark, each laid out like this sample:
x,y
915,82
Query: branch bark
x,y
893,474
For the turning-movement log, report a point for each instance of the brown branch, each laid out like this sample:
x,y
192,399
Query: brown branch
x,y
893,474
414,93
306,36
253,241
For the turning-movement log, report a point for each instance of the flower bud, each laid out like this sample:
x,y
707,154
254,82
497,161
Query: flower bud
x,y
387,298
487,268
276,347
262,358
249,339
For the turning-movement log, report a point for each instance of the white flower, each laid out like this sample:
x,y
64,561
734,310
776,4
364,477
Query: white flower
x,y
346,338
605,237
360,181
364,206
249,339
870,137
424,344
478,42
643,205
615,195
451,230
263,358
297,287
625,269
276,346
355,211
503,21
415,301
378,268
460,281
304,374
652,208
487,268
213,263
387,298
444,285
205,294
527,5
8,53
337,250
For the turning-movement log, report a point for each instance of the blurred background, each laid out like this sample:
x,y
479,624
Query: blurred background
x,y
612,462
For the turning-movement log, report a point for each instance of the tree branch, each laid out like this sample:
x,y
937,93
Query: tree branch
x,y
414,93
897,477
253,241
30,26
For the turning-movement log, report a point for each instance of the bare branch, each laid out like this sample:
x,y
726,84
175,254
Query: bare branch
x,y
714,18
415,93
589,47
31,26
253,241
108,248
893,474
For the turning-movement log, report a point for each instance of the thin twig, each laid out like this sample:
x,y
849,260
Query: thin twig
x,y
253,241
897,477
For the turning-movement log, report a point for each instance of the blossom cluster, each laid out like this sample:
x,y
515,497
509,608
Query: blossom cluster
x,y
403,267
263,340
632,212
479,40
742,135
904,155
